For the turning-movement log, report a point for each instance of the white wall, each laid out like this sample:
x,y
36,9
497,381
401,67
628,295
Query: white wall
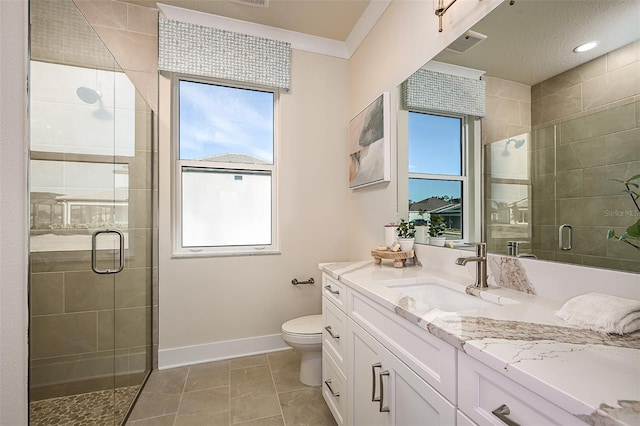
x,y
205,301
13,213
405,38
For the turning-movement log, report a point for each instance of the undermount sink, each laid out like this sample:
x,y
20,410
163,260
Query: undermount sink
x,y
446,297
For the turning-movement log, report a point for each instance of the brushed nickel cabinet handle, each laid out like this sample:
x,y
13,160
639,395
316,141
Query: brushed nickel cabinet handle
x,y
333,393
373,381
335,336
383,409
330,290
502,412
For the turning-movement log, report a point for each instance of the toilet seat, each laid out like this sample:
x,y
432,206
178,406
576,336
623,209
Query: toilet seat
x,y
303,326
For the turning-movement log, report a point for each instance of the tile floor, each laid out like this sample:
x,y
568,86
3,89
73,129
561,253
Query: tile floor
x,y
256,390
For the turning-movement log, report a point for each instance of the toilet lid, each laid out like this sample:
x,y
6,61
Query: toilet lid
x,y
310,324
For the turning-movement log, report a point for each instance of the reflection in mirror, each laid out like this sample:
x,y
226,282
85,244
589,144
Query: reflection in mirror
x,y
560,127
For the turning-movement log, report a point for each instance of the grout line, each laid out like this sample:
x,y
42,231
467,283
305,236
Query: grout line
x,y
184,386
229,421
284,421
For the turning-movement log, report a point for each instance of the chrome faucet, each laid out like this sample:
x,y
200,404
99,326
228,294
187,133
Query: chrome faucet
x,y
481,268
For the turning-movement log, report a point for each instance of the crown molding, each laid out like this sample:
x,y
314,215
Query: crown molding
x,y
299,41
370,16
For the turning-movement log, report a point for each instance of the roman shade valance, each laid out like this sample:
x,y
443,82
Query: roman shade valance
x,y
431,91
205,51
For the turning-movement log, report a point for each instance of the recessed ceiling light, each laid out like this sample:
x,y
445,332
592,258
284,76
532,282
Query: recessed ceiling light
x,y
586,46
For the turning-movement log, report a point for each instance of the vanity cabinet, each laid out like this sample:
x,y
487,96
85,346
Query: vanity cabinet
x,y
489,398
381,369
384,391
334,347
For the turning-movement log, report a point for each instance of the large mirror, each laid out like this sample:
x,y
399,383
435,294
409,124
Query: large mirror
x,y
560,135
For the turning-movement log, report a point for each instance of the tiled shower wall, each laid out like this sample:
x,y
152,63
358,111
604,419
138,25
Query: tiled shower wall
x,y
508,114
73,348
586,132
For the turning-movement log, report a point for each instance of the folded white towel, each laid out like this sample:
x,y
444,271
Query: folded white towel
x,y
603,313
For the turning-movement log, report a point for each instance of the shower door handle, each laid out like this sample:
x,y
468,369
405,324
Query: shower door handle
x,y
94,253
561,244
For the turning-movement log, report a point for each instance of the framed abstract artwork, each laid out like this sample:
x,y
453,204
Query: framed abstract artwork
x,y
369,146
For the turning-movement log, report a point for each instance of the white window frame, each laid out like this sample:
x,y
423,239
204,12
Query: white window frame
x,y
178,164
470,176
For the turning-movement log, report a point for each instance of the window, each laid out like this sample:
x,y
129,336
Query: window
x,y
438,170
225,169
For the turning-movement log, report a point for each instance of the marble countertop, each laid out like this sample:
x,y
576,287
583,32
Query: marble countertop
x,y
594,376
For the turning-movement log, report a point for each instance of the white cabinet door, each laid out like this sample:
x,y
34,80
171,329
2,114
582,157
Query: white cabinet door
x,y
384,391
365,365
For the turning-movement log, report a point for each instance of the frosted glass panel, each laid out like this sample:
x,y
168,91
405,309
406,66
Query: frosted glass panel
x,y
223,208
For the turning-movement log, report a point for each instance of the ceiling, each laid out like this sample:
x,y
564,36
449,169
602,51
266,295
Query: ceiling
x,y
533,40
528,42
332,19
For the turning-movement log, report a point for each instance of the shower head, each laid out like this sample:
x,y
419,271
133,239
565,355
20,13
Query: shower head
x,y
88,95
518,142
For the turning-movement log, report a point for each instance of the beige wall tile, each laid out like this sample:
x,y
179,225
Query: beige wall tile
x,y
133,288
65,334
543,187
104,13
618,84
132,327
544,161
606,122
88,291
581,154
569,184
624,56
574,76
543,212
134,51
559,104
142,19
47,294
511,90
493,130
543,138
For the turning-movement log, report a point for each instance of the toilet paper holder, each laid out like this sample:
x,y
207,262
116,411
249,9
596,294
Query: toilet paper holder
x,y
296,282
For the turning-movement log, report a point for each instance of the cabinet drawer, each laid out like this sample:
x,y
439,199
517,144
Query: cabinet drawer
x,y
335,291
334,332
482,390
334,389
431,358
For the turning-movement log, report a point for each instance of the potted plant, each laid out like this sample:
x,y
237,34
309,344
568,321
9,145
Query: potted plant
x,y
406,235
436,230
631,235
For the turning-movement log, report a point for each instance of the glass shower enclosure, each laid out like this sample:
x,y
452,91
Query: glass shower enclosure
x,y
90,225
557,190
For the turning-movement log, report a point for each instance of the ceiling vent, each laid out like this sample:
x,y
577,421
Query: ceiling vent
x,y
257,3
466,41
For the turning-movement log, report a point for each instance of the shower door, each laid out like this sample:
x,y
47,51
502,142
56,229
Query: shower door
x,y
90,227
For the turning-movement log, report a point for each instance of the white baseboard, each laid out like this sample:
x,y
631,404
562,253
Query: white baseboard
x,y
188,355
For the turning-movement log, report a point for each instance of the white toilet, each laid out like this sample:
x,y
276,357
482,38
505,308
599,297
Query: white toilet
x,y
305,334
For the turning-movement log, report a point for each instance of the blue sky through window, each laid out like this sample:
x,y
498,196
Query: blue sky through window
x,y
218,120
434,144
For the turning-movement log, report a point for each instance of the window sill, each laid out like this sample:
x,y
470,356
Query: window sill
x,y
198,254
